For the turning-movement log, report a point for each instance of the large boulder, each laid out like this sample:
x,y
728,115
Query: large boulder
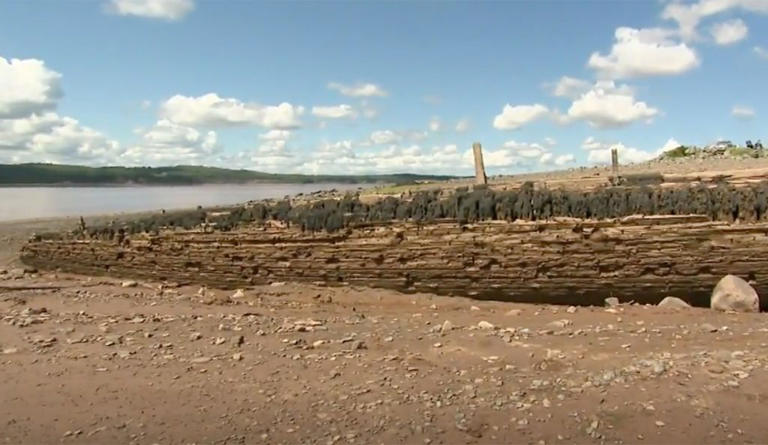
x,y
734,294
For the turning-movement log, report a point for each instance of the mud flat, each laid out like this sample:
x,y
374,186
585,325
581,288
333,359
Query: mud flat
x,y
86,360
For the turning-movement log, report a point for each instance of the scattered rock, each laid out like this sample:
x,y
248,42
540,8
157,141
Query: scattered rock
x,y
706,327
514,312
129,283
673,303
211,298
485,325
112,339
238,294
734,294
474,308
560,324
612,301
446,327
307,325
195,336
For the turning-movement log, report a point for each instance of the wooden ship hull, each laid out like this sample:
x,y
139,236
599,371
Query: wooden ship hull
x,y
563,260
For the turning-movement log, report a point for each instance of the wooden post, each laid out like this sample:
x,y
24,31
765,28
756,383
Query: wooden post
x,y
480,177
615,162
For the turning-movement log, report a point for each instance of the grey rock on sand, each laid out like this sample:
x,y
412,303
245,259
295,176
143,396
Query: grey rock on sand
x,y
673,303
734,294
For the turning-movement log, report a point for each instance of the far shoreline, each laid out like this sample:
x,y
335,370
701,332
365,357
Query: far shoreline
x,y
191,184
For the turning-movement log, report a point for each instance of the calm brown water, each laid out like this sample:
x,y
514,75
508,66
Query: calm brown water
x,y
44,202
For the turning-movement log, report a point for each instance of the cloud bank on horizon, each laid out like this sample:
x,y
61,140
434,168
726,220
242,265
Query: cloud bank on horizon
x,y
676,76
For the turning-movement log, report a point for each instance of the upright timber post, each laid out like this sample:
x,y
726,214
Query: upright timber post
x,y
480,177
614,165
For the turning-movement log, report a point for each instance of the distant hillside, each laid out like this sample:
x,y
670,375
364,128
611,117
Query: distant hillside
x,y
55,174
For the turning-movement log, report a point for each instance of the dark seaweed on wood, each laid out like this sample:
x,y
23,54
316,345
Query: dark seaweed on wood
x,y
720,203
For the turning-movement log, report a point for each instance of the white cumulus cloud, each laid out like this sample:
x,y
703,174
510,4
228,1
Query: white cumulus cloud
x,y
385,137
514,117
607,105
212,110
689,15
462,125
342,111
671,144
275,135
435,124
564,159
570,87
626,155
358,90
644,52
518,154
169,143
171,10
49,137
274,148
498,159
742,112
341,157
600,152
27,86
31,131
730,32
546,158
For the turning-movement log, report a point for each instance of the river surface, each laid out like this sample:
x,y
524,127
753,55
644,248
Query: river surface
x,y
17,203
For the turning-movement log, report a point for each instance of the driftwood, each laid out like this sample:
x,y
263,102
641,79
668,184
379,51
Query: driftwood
x,y
566,261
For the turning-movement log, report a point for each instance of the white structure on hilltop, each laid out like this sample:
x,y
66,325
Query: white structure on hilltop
x,y
721,144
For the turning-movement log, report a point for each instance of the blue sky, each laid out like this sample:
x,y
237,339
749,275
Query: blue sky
x,y
375,86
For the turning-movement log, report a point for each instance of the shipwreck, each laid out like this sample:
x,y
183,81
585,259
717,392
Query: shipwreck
x,y
529,243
